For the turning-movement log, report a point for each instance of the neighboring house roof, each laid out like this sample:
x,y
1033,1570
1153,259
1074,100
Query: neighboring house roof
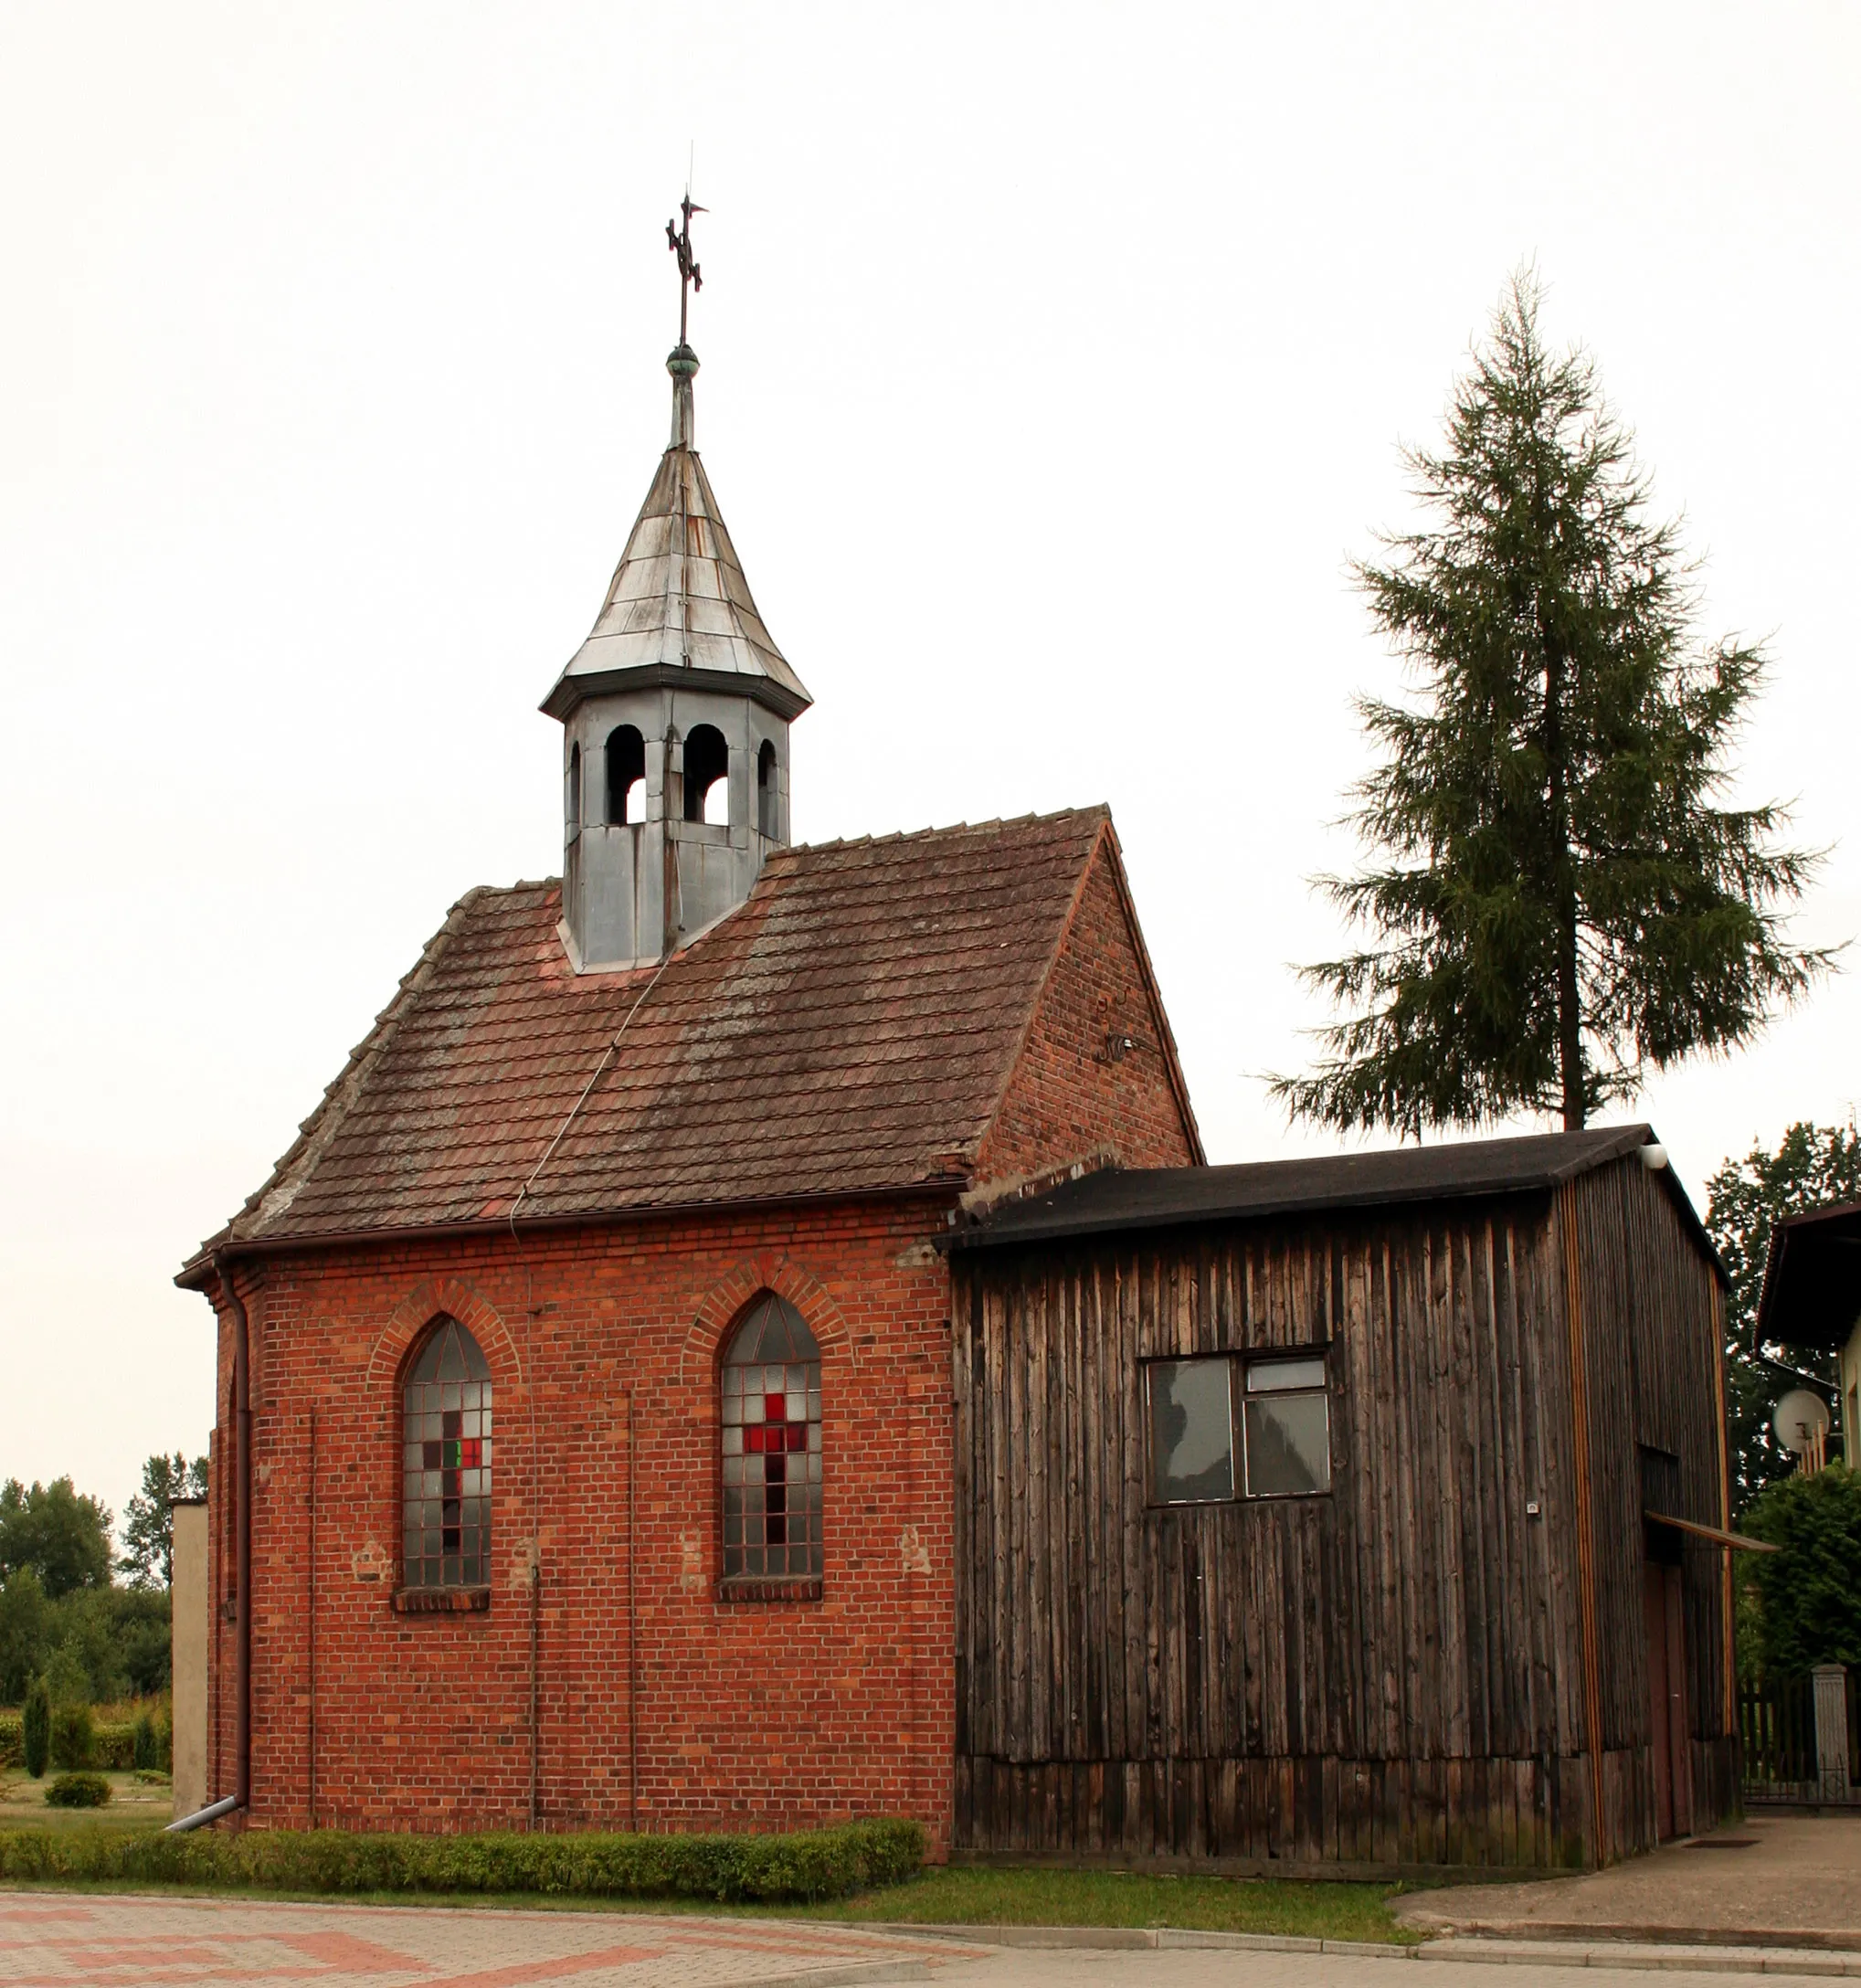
x,y
850,1028
1811,1292
1167,1197
679,606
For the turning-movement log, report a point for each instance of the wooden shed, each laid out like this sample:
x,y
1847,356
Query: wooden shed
x,y
1365,1512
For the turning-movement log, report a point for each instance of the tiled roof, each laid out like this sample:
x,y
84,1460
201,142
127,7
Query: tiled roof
x,y
850,1028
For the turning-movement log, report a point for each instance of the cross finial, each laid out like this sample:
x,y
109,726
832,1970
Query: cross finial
x,y
679,240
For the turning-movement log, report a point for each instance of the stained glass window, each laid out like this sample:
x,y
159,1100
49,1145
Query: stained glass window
x,y
446,1464
772,1445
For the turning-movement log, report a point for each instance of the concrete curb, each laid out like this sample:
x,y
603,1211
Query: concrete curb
x,y
1579,1932
1697,1957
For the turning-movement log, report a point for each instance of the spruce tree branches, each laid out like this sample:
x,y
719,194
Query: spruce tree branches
x,y
1560,900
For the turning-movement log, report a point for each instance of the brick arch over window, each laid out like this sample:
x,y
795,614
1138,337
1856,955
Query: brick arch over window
x,y
728,1300
769,1435
446,1462
407,1323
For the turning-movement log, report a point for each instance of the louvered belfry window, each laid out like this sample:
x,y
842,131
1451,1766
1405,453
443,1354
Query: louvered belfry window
x,y
772,1446
446,1469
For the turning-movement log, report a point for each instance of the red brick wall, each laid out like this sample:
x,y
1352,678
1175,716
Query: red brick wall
x,y
749,1714
1068,1096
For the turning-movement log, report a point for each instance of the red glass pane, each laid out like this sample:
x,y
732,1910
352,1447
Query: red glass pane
x,y
470,1452
774,1408
796,1432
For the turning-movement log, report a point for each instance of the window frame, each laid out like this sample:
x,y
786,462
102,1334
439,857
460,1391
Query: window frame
x,y
747,1587
462,1596
1238,1361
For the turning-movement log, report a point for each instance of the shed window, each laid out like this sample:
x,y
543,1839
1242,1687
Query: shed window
x,y
771,1431
446,1464
1289,1423
1224,1428
1192,1430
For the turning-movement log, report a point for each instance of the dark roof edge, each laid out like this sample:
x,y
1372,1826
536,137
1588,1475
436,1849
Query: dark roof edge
x,y
197,1273
1606,1151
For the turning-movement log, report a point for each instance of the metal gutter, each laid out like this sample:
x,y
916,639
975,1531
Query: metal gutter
x,y
242,1488
197,1273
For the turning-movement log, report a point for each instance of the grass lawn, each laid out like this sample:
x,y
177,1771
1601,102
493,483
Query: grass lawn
x,y
967,1895
134,1802
943,1895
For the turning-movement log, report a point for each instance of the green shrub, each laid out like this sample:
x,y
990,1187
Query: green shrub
x,y
35,1728
72,1736
79,1791
1809,1601
145,1749
114,1746
808,1865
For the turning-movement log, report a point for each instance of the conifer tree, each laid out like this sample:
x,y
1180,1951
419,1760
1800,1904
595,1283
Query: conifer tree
x,y
1560,901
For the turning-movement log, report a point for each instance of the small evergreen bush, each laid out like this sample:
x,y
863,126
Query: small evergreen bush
x,y
35,1728
145,1749
72,1736
79,1791
808,1865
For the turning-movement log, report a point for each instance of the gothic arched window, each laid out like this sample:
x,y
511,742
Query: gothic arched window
x,y
446,1464
772,1444
572,800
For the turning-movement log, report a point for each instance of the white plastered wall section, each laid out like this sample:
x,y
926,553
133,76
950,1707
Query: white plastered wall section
x,y
1851,1398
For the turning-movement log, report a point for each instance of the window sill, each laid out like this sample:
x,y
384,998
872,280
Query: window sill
x,y
443,1600
761,1588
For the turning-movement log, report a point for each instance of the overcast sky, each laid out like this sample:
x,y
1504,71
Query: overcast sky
x,y
1055,362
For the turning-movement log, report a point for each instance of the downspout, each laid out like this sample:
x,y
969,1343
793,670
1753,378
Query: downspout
x,y
241,1796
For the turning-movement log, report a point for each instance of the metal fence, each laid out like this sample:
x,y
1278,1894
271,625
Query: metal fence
x,y
1801,1739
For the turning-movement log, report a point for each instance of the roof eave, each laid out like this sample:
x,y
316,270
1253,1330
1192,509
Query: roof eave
x,y
571,688
198,1271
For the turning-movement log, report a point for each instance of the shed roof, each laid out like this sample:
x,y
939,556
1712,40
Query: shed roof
x,y
1812,1294
849,1029
1167,1197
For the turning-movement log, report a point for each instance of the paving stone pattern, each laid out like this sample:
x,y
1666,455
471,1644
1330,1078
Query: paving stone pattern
x,y
47,1942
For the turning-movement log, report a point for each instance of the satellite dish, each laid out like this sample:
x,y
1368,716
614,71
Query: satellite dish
x,y
1801,1417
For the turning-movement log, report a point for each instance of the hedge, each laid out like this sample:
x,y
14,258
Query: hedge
x,y
112,1747
79,1791
807,1865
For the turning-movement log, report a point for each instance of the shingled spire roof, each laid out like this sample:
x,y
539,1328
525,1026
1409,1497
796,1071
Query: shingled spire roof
x,y
678,608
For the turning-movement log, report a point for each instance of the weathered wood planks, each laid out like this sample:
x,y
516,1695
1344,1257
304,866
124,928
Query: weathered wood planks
x,y
1391,1673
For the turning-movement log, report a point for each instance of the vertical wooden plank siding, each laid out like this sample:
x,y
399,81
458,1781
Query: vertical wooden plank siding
x,y
1404,1671
1653,1346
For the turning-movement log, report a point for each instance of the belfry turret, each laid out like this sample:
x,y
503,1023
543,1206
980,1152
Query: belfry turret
x,y
675,715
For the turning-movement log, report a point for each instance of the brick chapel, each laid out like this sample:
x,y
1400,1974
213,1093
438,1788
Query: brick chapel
x,y
584,1445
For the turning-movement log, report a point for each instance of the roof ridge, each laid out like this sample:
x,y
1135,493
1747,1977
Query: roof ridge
x,y
948,828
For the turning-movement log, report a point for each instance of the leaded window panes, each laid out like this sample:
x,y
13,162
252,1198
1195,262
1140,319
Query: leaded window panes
x,y
771,1427
446,1464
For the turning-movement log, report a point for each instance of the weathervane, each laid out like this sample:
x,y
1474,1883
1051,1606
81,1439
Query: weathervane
x,y
679,240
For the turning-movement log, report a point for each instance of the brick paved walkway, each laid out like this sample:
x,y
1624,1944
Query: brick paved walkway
x,y
50,1941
